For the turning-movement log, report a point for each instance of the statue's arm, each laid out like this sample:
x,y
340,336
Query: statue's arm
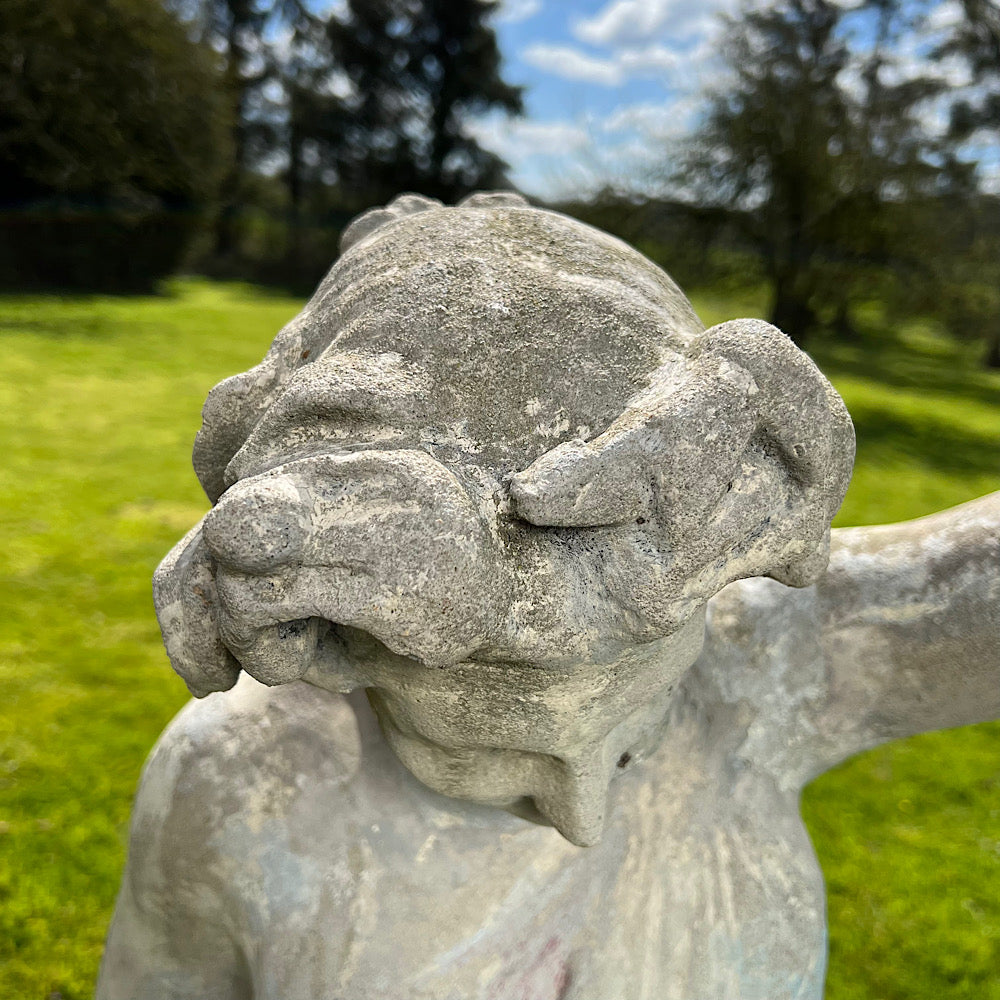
x,y
909,626
169,937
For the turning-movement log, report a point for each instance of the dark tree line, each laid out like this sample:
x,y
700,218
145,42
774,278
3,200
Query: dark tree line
x,y
112,135
128,129
247,132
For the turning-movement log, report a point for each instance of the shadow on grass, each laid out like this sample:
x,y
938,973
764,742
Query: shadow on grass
x,y
885,437
914,365
53,328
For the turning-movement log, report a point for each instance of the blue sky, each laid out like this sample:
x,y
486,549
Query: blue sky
x,y
612,85
609,83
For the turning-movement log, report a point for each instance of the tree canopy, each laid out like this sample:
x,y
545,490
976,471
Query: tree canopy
x,y
104,101
133,108
813,145
411,73
974,277
112,136
349,108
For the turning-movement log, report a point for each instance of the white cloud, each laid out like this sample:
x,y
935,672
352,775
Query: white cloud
x,y
683,65
329,8
990,178
626,22
565,61
513,11
623,21
677,68
517,138
946,15
653,121
551,159
564,158
639,117
652,58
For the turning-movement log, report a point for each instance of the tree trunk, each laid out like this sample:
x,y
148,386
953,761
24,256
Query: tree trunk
x,y
843,325
226,226
790,311
227,221
296,195
992,357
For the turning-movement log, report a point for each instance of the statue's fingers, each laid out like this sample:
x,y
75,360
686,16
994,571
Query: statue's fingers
x,y
187,607
259,534
388,542
401,507
810,426
668,456
260,524
270,634
276,625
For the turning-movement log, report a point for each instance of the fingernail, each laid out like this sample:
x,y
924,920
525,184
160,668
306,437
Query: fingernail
x,y
280,653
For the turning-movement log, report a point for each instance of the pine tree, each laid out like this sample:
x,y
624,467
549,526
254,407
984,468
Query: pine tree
x,y
815,154
413,71
976,115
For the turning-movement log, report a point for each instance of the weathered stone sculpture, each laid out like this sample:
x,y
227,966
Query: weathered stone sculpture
x,y
492,478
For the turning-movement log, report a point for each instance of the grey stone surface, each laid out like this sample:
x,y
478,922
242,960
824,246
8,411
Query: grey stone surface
x,y
492,473
489,481
280,851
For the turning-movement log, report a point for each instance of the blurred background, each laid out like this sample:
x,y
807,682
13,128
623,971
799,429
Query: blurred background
x,y
174,177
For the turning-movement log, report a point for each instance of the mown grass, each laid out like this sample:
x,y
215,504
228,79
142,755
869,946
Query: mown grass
x,y
98,406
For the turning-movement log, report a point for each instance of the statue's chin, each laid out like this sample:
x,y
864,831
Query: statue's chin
x,y
568,794
508,779
506,734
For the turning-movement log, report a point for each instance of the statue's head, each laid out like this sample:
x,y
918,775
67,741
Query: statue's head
x,y
492,473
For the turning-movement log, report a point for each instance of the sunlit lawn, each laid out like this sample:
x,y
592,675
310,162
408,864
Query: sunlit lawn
x,y
99,402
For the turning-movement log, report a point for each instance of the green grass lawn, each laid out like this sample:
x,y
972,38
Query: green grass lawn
x,y
99,404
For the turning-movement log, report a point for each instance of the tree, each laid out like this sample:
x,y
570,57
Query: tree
x,y
975,39
247,34
352,107
815,148
111,136
376,101
410,73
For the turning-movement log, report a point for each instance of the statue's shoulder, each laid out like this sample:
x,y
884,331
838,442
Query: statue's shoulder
x,y
253,728
246,752
755,609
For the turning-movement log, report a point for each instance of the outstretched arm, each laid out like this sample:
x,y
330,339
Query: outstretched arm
x,y
909,619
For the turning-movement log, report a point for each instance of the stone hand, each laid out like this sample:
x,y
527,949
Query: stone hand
x,y
389,542
707,472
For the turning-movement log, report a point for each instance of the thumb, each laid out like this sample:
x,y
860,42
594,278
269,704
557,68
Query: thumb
x,y
187,607
671,451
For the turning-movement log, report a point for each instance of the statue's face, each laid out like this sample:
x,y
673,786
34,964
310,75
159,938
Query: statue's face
x,y
492,474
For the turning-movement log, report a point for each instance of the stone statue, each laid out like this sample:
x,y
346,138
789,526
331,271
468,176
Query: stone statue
x,y
513,699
